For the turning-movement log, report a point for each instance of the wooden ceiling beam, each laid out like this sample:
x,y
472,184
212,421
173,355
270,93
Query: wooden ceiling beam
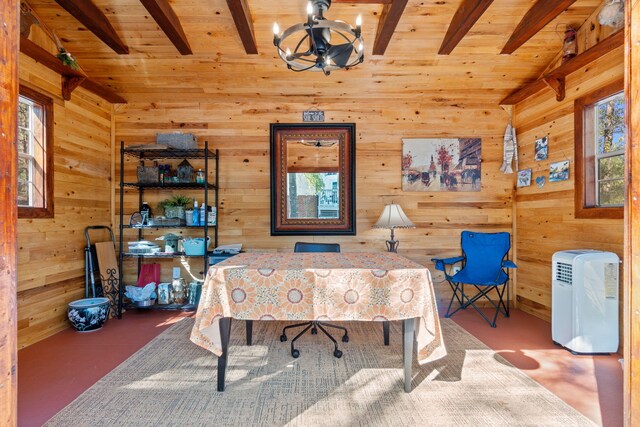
x,y
540,14
555,78
102,91
43,56
364,1
242,17
168,21
466,15
71,78
389,18
92,17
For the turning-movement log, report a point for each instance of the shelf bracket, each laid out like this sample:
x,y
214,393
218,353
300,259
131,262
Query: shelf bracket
x,y
557,85
69,84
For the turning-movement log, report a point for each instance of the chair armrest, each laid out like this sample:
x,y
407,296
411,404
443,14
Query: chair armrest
x,y
442,262
508,264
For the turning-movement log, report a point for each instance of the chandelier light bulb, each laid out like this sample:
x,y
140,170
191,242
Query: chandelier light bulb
x,y
288,53
309,8
276,28
359,21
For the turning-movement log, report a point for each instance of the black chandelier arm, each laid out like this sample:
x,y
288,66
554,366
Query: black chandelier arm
x,y
347,38
300,43
297,70
299,58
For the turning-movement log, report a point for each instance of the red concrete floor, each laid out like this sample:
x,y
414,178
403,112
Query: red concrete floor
x,y
591,384
53,372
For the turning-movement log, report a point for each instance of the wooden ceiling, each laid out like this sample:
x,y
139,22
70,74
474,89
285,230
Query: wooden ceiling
x,y
199,48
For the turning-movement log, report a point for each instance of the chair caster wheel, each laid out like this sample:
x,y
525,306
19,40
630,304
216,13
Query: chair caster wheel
x,y
345,338
337,354
283,338
314,331
295,353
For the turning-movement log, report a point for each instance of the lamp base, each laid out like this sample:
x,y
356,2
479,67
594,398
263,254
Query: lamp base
x,y
392,246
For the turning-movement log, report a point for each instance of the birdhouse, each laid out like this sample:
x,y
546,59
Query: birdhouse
x,y
185,172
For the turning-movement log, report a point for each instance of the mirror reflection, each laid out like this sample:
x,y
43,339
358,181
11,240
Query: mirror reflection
x,y
313,178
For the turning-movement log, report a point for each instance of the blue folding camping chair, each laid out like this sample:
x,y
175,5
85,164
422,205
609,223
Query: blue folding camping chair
x,y
485,263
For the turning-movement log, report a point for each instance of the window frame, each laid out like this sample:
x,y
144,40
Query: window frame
x,y
47,106
585,157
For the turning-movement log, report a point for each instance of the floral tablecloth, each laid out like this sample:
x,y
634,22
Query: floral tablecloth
x,y
319,286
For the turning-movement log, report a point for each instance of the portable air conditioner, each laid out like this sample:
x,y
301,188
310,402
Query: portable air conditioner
x,y
584,309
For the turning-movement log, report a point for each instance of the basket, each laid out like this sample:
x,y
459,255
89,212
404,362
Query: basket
x,y
168,221
179,141
174,212
148,174
195,247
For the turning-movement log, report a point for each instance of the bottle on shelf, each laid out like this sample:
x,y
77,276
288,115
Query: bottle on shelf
x,y
200,176
145,211
196,213
179,287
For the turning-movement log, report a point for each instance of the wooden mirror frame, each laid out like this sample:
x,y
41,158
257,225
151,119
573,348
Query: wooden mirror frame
x,y
345,224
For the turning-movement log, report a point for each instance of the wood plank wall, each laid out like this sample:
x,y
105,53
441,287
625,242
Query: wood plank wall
x,y
51,251
240,130
545,221
8,213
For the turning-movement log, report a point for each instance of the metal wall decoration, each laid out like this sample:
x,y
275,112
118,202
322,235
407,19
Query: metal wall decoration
x,y
313,116
441,164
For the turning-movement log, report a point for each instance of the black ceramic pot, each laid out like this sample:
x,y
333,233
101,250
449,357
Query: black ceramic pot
x,y
88,314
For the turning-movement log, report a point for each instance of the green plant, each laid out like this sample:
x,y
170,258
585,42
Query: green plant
x,y
315,181
179,200
67,59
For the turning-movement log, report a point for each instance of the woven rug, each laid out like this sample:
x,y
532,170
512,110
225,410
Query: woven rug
x,y
171,382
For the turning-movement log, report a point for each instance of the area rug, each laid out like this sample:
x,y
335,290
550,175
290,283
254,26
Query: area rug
x,y
172,382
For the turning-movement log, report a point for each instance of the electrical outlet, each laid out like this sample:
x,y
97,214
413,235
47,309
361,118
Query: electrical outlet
x,y
455,269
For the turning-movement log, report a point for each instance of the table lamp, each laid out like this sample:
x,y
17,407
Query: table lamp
x,y
393,217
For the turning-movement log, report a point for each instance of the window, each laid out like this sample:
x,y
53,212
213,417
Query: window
x,y
600,139
35,156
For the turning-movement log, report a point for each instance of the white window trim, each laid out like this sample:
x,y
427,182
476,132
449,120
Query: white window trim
x,y
599,156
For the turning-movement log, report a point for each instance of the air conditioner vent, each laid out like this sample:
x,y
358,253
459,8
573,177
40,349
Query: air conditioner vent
x,y
564,272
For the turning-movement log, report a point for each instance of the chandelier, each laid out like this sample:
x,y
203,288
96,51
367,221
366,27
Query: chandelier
x,y
320,44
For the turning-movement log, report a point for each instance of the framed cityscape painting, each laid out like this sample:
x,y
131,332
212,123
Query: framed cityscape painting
x,y
441,164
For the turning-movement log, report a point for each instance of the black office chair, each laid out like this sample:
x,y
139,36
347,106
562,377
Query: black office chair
x,y
315,325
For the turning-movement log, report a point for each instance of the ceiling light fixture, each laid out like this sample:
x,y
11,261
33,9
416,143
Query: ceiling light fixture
x,y
319,143
307,46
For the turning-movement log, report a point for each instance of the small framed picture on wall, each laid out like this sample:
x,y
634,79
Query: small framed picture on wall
x,y
559,171
524,178
542,148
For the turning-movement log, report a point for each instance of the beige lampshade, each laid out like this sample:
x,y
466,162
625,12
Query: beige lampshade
x,y
393,217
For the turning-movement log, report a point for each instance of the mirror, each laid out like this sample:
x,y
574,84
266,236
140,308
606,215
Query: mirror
x,y
312,179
